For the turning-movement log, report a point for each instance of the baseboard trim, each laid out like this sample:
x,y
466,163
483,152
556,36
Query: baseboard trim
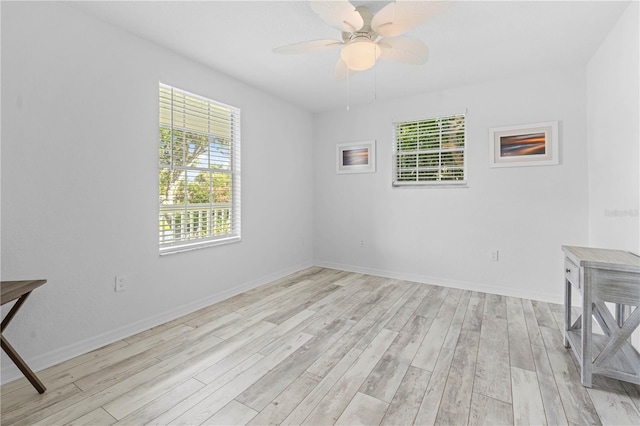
x,y
445,282
10,372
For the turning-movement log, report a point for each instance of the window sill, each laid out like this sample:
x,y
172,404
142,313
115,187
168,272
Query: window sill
x,y
189,246
456,184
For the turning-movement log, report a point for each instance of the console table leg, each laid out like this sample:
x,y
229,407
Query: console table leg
x,y
14,310
30,375
620,316
567,311
587,357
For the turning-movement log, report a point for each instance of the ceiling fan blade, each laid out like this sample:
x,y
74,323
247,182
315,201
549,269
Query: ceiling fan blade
x,y
401,16
403,49
342,71
339,14
308,46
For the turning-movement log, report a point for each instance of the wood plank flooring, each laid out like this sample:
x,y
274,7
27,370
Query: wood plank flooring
x,y
324,347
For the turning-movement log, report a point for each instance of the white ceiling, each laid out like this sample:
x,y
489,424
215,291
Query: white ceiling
x,y
470,42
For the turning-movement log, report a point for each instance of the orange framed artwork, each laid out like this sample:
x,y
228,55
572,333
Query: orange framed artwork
x,y
524,145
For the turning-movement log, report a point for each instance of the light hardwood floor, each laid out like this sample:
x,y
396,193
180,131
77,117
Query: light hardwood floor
x,y
329,347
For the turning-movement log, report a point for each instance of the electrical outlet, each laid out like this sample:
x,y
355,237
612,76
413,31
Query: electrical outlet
x,y
494,255
361,243
121,283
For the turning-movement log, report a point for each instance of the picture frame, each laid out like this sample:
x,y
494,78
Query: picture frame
x,y
356,157
533,144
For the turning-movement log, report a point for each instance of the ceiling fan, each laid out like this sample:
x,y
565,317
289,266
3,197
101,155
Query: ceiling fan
x,y
367,37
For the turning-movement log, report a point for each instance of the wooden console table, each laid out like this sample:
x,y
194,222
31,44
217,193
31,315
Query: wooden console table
x,y
12,290
600,276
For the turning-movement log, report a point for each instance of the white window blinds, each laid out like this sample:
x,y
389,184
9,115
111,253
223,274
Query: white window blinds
x,y
199,171
430,151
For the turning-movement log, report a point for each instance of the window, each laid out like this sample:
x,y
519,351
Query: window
x,y
430,151
199,171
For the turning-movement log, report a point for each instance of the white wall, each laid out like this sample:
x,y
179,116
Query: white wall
x,y
79,184
445,235
613,136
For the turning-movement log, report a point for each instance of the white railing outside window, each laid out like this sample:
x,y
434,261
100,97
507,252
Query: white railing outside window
x,y
178,225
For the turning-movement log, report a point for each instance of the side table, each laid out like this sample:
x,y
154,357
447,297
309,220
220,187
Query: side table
x,y
600,276
12,290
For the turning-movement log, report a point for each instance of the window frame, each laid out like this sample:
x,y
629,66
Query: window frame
x,y
463,183
230,225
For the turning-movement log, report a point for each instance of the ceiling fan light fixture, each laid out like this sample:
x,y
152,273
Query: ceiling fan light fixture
x,y
360,54
367,36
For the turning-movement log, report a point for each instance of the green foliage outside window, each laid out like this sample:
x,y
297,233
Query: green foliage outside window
x,y
430,151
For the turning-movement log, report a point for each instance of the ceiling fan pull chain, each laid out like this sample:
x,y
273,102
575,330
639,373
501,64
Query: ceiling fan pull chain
x,y
375,81
348,88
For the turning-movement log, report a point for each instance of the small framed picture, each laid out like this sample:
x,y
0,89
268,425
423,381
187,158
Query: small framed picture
x,y
525,145
356,157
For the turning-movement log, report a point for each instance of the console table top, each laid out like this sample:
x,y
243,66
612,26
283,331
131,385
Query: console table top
x,y
589,257
11,290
